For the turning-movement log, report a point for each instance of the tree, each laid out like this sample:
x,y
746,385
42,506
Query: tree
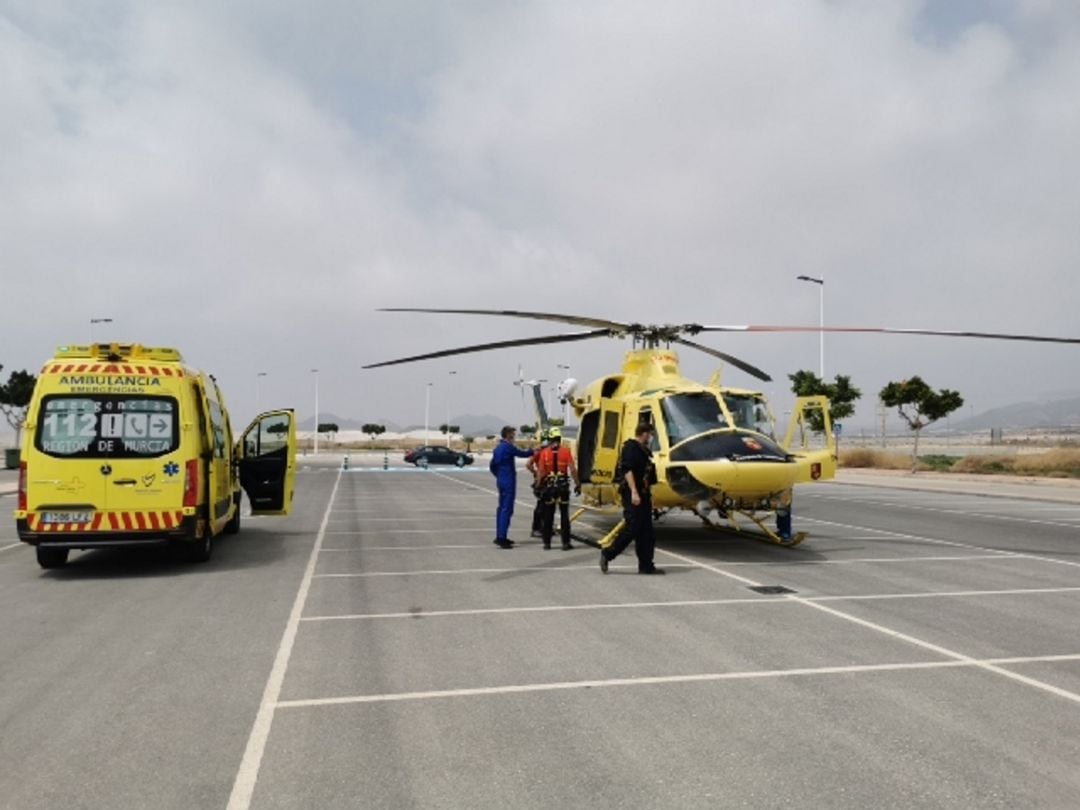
x,y
841,395
373,430
444,428
329,428
468,443
919,405
15,397
527,430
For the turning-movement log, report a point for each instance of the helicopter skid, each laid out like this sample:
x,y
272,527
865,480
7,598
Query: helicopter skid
x,y
767,535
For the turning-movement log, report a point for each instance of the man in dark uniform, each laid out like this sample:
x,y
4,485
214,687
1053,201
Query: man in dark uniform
x,y
638,476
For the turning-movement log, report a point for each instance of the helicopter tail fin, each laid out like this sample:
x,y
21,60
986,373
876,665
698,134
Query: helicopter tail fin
x,y
543,421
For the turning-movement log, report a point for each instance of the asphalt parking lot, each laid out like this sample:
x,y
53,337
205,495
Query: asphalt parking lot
x,y
375,649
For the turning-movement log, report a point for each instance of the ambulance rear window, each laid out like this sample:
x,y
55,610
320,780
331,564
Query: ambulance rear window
x,y
107,426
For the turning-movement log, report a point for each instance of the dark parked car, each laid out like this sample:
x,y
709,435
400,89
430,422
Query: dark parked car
x,y
432,454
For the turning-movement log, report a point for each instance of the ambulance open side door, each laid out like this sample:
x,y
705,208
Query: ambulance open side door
x,y
266,457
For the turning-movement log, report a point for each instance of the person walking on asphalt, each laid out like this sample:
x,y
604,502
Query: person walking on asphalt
x,y
638,476
504,469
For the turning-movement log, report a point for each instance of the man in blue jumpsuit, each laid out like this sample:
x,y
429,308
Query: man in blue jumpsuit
x,y
505,471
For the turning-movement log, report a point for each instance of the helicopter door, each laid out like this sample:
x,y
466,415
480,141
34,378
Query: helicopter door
x,y
607,448
586,444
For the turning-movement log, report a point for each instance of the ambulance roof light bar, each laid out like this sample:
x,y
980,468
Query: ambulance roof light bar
x,y
115,352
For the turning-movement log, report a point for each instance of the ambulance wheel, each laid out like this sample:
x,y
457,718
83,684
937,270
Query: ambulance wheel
x,y
233,526
51,557
200,550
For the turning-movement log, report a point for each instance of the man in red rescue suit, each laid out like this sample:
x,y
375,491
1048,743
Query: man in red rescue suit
x,y
554,470
538,509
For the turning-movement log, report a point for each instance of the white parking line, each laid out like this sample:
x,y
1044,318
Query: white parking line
x,y
472,546
411,511
817,605
396,519
547,568
419,531
745,600
1017,554
937,648
13,545
939,510
990,663
248,773
944,594
760,600
1001,555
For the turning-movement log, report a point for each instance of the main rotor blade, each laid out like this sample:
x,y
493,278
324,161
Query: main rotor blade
x,y
727,358
886,330
573,320
500,344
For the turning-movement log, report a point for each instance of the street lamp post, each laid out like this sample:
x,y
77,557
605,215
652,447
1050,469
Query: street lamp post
x,y
427,413
258,376
315,371
820,281
452,373
97,320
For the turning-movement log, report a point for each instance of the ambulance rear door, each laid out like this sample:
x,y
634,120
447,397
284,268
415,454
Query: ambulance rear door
x,y
267,461
108,452
136,446
65,486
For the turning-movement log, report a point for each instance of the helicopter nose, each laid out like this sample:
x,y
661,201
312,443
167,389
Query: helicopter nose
x,y
704,479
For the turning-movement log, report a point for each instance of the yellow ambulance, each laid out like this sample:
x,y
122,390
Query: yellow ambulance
x,y
125,445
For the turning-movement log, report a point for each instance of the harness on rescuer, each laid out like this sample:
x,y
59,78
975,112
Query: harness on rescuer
x,y
555,461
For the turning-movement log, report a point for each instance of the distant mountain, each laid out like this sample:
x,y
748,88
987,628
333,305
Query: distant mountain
x,y
1056,413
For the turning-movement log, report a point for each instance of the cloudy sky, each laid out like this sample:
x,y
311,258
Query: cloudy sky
x,y
248,181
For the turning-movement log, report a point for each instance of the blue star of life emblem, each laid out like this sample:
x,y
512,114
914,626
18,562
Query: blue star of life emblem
x,y
171,469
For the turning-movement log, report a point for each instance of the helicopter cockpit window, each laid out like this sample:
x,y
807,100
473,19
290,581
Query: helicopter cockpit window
x,y
749,412
687,415
645,415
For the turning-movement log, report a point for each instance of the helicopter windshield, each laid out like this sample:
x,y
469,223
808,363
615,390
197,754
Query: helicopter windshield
x,y
687,415
749,412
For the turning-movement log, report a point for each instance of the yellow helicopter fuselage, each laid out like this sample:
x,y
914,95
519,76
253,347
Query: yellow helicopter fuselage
x,y
713,447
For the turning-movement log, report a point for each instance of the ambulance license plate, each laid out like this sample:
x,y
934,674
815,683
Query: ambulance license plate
x,y
66,517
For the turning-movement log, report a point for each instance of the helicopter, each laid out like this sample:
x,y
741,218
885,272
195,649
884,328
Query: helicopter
x,y
714,447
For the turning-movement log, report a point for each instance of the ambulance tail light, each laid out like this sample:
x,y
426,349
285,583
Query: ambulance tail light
x,y
191,483
22,487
